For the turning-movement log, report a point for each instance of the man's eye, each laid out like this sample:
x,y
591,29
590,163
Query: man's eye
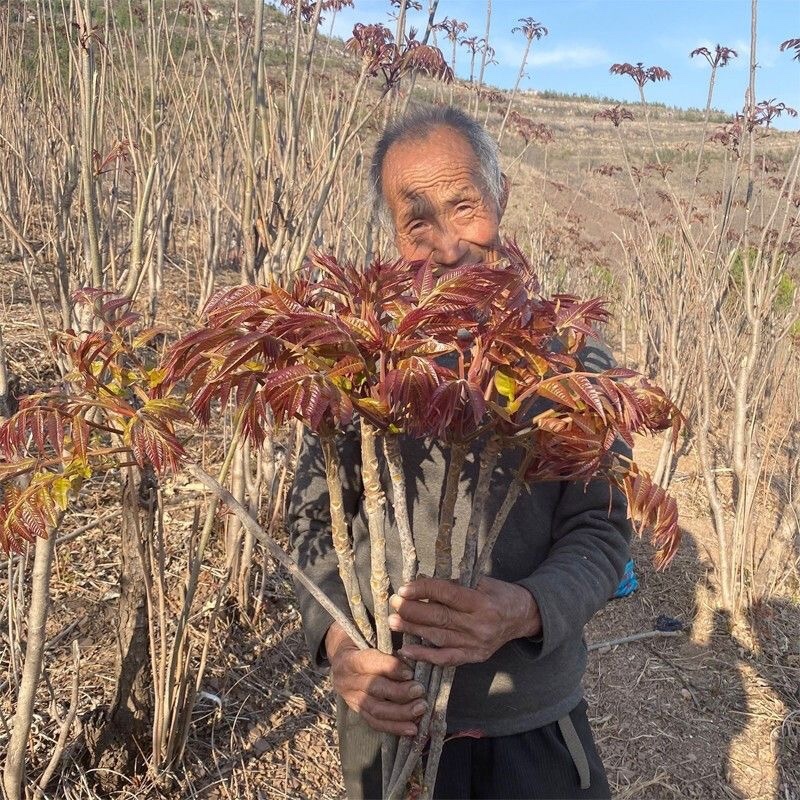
x,y
415,226
463,208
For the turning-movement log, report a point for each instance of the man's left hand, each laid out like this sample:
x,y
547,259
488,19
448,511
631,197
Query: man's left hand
x,y
464,625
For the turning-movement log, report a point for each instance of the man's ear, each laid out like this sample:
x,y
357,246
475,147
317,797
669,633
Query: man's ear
x,y
505,188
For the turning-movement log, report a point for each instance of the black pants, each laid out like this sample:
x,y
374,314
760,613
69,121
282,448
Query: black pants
x,y
536,764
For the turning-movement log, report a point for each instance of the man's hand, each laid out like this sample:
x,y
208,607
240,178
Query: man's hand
x,y
463,625
376,685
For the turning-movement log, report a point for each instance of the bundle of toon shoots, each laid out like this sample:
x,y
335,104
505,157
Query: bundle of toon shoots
x,y
463,356
473,357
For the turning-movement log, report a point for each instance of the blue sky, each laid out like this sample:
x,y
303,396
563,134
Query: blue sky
x,y
587,36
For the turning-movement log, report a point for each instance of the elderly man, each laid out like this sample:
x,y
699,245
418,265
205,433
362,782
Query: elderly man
x,y
517,637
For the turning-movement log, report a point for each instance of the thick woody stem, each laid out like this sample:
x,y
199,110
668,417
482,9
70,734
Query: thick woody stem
x,y
477,523
441,680
374,501
494,531
444,541
341,539
379,578
478,514
500,519
404,768
438,729
14,768
394,461
410,748
408,549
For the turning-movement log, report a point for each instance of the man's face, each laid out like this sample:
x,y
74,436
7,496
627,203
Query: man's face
x,y
438,203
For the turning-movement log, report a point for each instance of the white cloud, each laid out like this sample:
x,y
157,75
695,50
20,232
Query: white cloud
x,y
568,56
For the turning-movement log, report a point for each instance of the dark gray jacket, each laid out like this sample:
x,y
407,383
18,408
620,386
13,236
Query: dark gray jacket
x,y
564,542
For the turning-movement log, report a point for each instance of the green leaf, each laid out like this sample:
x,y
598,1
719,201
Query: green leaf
x,y
371,404
506,385
79,469
62,486
155,377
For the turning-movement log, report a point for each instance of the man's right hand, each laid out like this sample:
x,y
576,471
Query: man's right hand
x,y
377,686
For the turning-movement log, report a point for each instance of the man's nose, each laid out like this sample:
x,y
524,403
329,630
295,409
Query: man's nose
x,y
449,249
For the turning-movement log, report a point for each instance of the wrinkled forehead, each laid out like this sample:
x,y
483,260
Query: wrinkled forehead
x,y
442,154
421,146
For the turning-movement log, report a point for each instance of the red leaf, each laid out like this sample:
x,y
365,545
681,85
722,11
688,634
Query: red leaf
x,y
152,438
423,280
407,391
650,506
456,409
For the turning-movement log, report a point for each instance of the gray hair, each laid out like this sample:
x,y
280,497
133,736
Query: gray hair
x,y
420,123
